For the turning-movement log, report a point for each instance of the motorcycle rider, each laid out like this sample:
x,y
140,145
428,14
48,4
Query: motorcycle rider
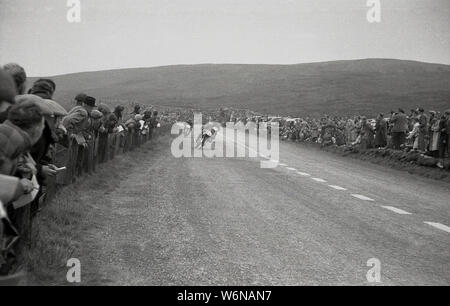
x,y
209,134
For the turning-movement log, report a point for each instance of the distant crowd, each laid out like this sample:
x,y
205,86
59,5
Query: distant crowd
x,y
424,132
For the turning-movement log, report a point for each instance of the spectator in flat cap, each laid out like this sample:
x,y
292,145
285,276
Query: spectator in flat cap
x,y
44,88
53,113
19,76
78,125
79,99
28,116
7,93
19,133
78,119
50,82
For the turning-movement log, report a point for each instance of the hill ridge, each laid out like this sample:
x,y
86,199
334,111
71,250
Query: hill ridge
x,y
362,86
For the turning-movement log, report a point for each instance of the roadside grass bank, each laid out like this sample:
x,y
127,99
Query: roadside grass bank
x,y
411,162
63,228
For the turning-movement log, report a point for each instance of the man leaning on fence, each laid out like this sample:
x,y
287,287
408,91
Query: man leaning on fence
x,y
78,125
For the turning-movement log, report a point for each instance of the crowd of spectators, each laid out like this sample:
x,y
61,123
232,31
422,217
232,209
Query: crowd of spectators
x,y
32,124
425,133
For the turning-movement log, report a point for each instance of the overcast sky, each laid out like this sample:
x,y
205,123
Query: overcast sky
x,y
145,33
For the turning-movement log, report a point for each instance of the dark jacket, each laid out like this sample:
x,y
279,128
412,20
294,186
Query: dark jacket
x,y
400,123
40,150
77,120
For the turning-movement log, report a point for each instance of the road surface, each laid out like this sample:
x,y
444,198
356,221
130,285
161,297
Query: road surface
x,y
316,219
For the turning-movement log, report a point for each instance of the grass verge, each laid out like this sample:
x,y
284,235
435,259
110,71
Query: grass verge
x,y
62,228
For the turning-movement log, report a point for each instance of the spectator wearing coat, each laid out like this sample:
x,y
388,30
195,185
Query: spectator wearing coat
x,y
108,126
367,134
43,151
154,122
78,120
19,133
444,137
423,130
51,111
136,110
118,111
381,132
414,134
399,128
434,134
26,118
350,134
78,125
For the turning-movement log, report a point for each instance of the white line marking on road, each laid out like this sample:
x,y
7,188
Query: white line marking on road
x,y
292,169
397,210
440,226
303,173
361,197
337,187
319,180
281,164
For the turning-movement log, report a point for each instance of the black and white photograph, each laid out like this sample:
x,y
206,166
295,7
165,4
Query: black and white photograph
x,y
221,150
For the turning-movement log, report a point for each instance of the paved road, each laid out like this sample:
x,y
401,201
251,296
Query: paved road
x,y
316,219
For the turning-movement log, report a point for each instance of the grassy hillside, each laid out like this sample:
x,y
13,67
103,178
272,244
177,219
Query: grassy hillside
x,y
340,87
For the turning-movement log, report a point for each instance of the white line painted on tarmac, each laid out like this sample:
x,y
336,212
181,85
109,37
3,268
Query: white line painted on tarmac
x,y
440,226
319,180
292,169
337,187
361,197
281,164
303,173
397,210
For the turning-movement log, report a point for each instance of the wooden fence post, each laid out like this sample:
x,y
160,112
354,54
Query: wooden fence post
x,y
71,161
